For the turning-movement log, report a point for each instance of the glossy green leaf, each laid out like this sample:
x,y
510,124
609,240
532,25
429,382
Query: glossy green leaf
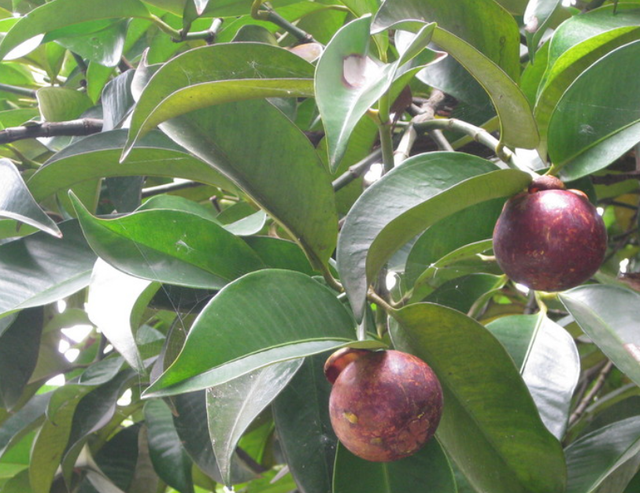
x,y
96,156
548,361
60,104
169,246
169,458
19,347
192,426
463,293
601,457
490,427
20,39
484,39
464,260
590,128
17,203
517,125
217,74
114,302
427,470
578,43
457,230
348,81
277,253
117,460
103,45
52,268
260,319
22,421
424,189
301,413
609,316
272,162
233,406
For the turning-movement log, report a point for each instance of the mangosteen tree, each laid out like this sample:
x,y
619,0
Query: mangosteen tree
x,y
319,247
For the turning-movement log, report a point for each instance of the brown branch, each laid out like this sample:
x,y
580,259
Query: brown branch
x,y
586,400
610,179
85,126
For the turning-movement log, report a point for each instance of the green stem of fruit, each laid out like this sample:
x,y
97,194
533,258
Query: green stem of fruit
x,y
166,28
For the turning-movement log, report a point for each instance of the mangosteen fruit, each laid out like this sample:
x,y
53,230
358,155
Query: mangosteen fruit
x,y
384,405
549,238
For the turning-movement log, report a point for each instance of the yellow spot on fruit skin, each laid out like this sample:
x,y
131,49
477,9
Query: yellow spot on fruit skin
x,y
351,418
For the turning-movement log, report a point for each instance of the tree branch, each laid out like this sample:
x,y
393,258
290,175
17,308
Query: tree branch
x,y
20,91
586,400
85,126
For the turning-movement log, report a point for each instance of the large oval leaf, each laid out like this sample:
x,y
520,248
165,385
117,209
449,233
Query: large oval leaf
x,y
167,454
17,203
39,269
217,74
490,426
576,44
114,303
260,319
170,246
96,156
413,196
548,361
609,315
603,455
427,471
272,161
63,13
591,128
232,407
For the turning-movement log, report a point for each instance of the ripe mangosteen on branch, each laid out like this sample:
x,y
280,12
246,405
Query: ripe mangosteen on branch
x,y
549,238
384,405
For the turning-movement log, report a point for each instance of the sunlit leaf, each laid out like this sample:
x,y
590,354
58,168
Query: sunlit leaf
x,y
232,407
114,302
63,13
548,361
260,319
